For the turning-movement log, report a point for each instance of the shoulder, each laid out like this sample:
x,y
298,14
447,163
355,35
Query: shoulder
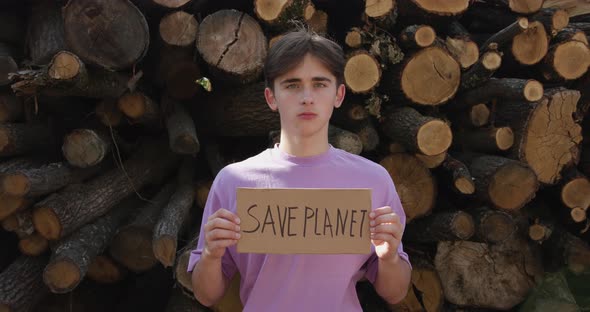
x,y
362,164
239,170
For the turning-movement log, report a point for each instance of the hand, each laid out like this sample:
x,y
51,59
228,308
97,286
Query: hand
x,y
386,232
221,231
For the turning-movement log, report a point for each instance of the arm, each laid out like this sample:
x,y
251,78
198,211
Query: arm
x,y
220,231
393,273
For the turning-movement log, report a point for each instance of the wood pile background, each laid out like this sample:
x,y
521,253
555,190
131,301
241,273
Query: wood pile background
x,y
115,116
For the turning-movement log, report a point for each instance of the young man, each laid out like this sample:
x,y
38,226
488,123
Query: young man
x,y
304,75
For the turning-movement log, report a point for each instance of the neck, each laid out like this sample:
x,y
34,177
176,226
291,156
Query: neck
x,y
303,147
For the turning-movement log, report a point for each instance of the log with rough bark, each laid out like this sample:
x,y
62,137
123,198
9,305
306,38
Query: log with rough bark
x,y
507,34
21,138
62,213
485,140
475,116
504,88
563,248
105,270
132,245
98,37
505,183
566,60
33,245
547,138
233,45
21,285
573,7
72,256
418,133
429,76
575,189
7,63
84,148
483,69
553,19
108,113
11,108
181,275
433,161
414,184
43,180
174,215
492,226
379,45
280,14
181,128
11,204
497,276
458,175
381,12
20,223
139,107
442,226
67,75
436,8
45,32
417,36
426,285
362,72
460,44
241,112
531,46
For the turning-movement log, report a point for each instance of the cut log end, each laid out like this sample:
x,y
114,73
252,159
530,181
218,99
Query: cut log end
x,y
414,183
182,276
173,4
362,73
497,227
434,137
15,184
479,115
432,161
571,59
84,148
463,225
578,214
465,51
538,232
425,36
165,250
353,39
47,223
64,66
431,77
533,90
576,193
104,270
61,276
186,144
450,7
11,204
108,113
4,139
513,186
132,247
465,186
379,8
504,138
560,19
531,46
133,104
269,11
33,245
492,60
179,29
525,6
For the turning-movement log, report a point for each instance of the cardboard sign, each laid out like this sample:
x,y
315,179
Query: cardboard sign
x,y
286,221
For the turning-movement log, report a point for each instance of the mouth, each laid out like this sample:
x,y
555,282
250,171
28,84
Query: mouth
x,y
307,114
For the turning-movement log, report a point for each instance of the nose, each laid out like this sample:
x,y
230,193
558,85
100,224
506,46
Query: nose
x,y
306,96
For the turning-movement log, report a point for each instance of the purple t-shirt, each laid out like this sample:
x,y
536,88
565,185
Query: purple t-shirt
x,y
300,282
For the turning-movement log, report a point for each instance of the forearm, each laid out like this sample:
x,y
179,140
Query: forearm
x,y
209,283
393,278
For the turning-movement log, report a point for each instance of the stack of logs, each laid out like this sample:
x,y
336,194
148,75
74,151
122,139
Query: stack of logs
x,y
115,117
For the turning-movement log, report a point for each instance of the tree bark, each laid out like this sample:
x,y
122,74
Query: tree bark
x,y
492,226
45,32
7,63
140,108
483,69
280,15
233,45
20,138
62,213
98,37
11,204
458,174
132,245
504,88
460,44
73,255
21,286
11,108
566,60
181,128
485,140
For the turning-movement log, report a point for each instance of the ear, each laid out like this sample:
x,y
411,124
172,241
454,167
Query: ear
x,y
340,93
270,99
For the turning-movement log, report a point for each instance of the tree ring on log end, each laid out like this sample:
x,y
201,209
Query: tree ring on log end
x,y
525,6
512,186
533,90
64,66
498,227
448,7
15,184
578,214
179,20
434,137
362,72
463,225
378,8
165,250
61,276
504,138
576,193
465,186
132,247
47,223
537,232
84,148
531,46
571,59
439,78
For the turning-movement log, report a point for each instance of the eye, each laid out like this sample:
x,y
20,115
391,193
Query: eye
x,y
292,86
320,85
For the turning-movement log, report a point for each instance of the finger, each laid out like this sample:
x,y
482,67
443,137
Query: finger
x,y
219,223
223,243
379,211
382,237
386,228
219,234
225,214
385,218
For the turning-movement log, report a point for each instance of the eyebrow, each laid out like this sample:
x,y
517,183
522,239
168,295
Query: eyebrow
x,y
320,78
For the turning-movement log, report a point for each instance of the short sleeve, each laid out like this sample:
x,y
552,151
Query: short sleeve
x,y
215,201
394,202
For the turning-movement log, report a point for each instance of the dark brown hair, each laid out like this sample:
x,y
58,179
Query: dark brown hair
x,y
289,50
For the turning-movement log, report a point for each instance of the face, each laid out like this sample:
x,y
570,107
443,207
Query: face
x,y
305,98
